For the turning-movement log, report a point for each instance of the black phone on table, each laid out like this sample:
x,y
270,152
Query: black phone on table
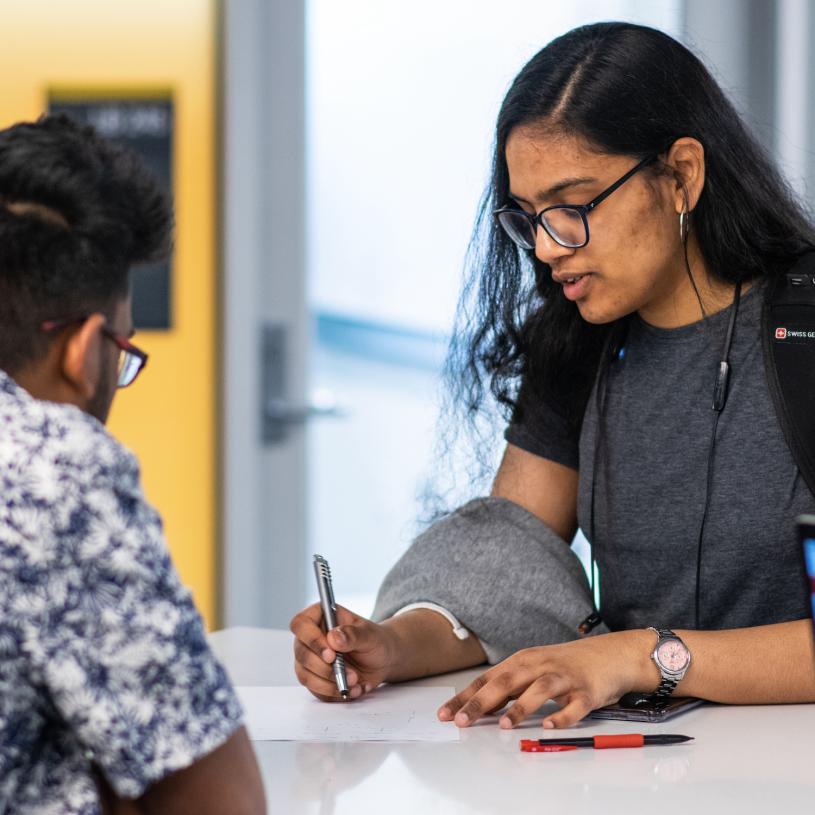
x,y
642,707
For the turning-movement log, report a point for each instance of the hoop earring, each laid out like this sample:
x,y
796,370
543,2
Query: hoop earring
x,y
683,226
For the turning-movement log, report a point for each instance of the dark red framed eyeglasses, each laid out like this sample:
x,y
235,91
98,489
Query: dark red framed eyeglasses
x,y
131,359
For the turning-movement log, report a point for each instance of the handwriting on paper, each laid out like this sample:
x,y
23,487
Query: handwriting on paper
x,y
392,713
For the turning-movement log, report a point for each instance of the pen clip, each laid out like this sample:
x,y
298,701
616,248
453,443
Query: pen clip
x,y
329,591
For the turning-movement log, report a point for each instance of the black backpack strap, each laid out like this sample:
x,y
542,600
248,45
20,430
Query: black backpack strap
x,y
788,342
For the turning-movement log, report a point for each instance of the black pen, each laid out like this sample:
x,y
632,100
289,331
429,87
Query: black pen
x,y
599,742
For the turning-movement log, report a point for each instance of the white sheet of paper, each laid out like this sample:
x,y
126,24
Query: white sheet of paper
x,y
392,713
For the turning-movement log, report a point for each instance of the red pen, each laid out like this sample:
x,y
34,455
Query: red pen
x,y
599,742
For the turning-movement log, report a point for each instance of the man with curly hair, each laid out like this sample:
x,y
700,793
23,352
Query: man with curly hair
x,y
110,698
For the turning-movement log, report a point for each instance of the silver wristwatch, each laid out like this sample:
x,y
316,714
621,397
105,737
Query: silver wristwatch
x,y
672,657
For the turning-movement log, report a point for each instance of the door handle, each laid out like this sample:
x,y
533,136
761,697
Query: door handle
x,y
277,414
279,410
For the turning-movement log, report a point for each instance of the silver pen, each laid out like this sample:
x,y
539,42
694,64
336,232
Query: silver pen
x,y
323,575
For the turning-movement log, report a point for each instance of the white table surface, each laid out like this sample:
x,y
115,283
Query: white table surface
x,y
757,759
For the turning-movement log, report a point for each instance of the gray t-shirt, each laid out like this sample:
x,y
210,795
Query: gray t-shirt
x,y
651,481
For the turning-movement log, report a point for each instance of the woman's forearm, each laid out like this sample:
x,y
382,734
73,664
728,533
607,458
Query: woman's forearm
x,y
423,644
761,665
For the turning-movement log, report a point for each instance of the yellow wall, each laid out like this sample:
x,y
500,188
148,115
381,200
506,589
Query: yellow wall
x,y
168,417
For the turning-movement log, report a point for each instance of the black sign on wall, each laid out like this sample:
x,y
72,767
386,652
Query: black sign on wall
x,y
145,126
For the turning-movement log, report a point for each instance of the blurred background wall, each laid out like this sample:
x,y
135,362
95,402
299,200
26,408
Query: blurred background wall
x,y
327,158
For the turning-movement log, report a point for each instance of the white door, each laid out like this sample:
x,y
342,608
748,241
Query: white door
x,y
264,312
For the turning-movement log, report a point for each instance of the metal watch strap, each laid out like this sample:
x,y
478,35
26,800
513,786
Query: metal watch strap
x,y
665,689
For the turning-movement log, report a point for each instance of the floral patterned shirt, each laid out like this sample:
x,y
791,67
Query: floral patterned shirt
x,y
103,657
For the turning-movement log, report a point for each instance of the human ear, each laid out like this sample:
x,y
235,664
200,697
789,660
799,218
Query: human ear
x,y
81,359
686,158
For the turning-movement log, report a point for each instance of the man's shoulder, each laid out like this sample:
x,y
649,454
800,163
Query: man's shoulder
x,y
55,448
71,504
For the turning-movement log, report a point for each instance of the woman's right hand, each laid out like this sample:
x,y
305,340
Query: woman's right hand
x,y
369,649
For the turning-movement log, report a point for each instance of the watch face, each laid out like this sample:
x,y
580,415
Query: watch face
x,y
673,656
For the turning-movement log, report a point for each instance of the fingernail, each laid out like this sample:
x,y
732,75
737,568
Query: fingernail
x,y
505,723
352,678
368,687
444,713
461,719
339,636
356,691
549,725
328,655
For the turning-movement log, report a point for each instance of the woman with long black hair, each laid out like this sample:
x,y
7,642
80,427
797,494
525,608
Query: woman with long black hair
x,y
630,229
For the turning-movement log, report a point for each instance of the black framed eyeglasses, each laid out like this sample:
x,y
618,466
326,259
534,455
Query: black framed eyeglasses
x,y
566,224
131,359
